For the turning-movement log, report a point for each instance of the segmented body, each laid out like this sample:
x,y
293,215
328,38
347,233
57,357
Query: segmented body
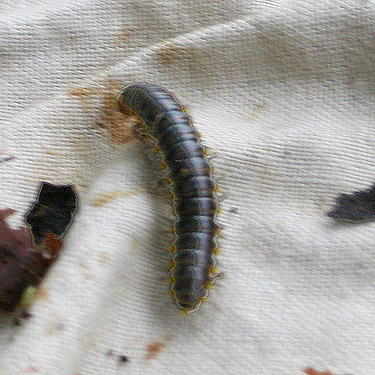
x,y
191,175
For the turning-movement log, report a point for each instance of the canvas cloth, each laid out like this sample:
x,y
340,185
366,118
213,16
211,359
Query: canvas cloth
x,y
283,94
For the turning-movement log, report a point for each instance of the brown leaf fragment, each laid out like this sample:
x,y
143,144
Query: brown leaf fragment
x,y
20,264
24,262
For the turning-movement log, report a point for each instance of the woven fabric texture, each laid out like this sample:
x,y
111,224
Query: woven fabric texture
x,y
283,94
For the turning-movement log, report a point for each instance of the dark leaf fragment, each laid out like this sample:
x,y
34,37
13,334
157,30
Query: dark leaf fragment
x,y
24,259
20,264
53,212
357,207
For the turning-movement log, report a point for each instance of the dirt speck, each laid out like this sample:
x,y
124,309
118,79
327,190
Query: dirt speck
x,y
123,358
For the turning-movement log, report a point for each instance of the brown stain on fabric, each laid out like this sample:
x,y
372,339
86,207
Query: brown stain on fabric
x,y
311,371
83,93
110,196
169,53
52,152
54,328
103,259
32,369
125,36
86,271
116,121
258,108
155,347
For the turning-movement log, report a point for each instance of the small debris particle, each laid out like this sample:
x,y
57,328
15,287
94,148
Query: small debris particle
x,y
154,348
25,314
123,358
355,208
233,210
18,321
7,158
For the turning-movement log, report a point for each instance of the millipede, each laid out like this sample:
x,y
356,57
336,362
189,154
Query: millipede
x,y
193,189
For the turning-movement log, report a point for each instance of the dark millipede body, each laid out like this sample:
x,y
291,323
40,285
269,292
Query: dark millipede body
x,y
193,187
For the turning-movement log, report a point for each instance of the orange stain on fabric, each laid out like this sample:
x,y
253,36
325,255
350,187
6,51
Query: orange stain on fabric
x,y
116,121
110,196
311,371
155,347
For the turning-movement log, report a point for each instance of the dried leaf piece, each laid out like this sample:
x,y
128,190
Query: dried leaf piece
x,y
20,264
357,207
53,212
24,262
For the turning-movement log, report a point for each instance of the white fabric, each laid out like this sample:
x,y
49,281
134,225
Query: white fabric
x,y
283,93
